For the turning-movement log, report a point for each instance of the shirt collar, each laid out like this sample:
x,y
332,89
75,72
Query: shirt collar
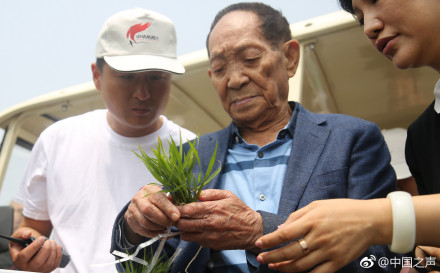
x,y
437,97
285,132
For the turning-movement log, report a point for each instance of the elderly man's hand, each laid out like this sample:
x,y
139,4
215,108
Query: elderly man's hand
x,y
149,213
220,221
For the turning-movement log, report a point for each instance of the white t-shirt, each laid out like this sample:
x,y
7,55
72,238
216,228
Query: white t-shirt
x,y
81,173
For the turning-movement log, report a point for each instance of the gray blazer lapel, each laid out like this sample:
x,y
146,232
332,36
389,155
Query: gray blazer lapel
x,y
207,147
308,143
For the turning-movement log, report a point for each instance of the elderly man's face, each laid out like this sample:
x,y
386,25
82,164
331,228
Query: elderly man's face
x,y
250,75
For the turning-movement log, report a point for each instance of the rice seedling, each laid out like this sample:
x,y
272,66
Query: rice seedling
x,y
161,266
175,173
174,170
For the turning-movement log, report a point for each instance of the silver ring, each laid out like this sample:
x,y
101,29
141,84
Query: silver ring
x,y
303,245
167,194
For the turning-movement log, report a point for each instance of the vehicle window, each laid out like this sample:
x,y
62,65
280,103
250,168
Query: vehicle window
x,y
14,174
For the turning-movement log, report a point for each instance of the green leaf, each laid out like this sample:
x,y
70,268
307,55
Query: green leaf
x,y
174,170
162,265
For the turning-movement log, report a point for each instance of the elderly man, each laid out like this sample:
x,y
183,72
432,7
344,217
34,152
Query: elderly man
x,y
276,156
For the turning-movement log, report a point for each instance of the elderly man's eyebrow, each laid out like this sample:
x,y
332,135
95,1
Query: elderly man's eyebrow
x,y
216,57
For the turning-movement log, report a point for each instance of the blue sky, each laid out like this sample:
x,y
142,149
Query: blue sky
x,y
48,45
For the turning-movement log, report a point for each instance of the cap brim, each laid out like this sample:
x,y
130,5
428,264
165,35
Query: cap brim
x,y
137,63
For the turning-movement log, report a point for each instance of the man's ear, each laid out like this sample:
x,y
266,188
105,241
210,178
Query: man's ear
x,y
209,72
96,76
291,53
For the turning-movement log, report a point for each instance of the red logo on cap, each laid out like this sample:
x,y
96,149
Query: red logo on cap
x,y
135,29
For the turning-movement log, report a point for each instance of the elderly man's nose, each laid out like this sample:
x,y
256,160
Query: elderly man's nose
x,y
237,78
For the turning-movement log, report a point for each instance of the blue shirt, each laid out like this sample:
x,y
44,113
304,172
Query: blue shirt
x,y
256,175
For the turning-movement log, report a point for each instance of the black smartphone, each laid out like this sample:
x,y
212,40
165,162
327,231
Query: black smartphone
x,y
23,242
65,258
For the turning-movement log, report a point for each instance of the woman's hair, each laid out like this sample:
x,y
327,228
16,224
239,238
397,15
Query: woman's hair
x,y
274,25
346,5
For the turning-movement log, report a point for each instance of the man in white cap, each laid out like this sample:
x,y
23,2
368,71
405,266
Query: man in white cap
x,y
82,169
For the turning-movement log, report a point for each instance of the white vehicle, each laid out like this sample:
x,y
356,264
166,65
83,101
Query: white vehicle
x,y
339,72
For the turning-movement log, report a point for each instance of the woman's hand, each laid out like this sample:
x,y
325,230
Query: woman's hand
x,y
335,232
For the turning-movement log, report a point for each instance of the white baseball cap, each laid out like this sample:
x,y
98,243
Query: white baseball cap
x,y
395,139
139,40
